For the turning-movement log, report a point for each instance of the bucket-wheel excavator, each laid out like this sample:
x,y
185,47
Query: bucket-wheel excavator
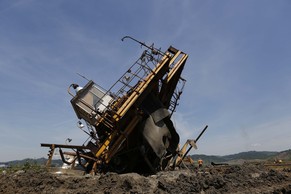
x,y
129,125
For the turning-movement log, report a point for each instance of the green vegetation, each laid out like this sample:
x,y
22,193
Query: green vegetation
x,y
23,165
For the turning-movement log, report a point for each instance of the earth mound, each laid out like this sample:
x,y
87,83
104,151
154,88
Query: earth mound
x,y
246,178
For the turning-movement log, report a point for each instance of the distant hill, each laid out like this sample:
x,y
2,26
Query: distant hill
x,y
251,155
208,159
284,155
39,161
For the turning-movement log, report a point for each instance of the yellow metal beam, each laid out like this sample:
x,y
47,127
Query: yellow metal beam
x,y
122,138
170,83
175,56
105,144
140,89
176,67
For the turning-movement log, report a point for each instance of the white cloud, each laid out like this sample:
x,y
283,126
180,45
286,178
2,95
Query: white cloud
x,y
256,145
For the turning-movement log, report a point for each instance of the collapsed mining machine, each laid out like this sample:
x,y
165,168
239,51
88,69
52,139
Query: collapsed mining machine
x,y
129,126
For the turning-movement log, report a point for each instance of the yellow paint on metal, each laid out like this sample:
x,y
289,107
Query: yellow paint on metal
x,y
122,138
132,98
105,144
175,56
176,67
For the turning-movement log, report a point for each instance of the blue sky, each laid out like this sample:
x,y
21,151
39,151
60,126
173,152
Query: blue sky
x,y
238,70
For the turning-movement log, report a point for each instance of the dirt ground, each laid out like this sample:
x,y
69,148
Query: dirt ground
x,y
246,178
